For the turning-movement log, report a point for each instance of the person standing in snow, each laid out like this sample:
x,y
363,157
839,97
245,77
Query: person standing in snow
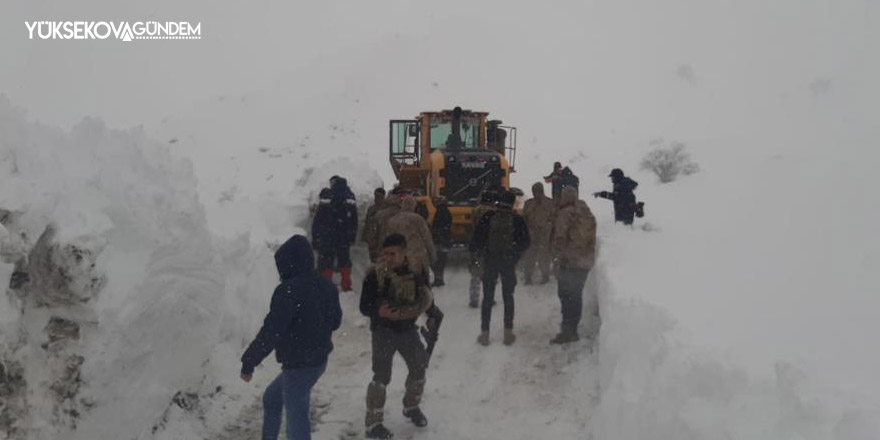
x,y
568,179
420,250
622,195
394,297
371,226
302,317
555,179
574,250
499,240
441,230
334,230
538,213
488,203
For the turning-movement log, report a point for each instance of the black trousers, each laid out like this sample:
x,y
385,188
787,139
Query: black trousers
x,y
492,270
334,258
439,266
571,295
625,209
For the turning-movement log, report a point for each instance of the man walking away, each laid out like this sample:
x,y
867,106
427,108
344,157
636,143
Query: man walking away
x,y
538,213
623,196
488,202
393,297
574,248
441,230
334,230
371,226
499,240
304,313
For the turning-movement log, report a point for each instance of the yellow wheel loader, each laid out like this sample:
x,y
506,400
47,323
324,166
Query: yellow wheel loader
x,y
455,154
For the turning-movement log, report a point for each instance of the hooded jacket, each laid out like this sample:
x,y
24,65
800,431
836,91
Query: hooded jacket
x,y
384,211
574,233
303,315
623,197
336,220
420,250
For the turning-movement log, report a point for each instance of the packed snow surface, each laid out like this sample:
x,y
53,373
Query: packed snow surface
x,y
743,306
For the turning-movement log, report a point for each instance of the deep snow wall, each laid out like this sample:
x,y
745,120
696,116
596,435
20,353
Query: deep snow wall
x,y
117,291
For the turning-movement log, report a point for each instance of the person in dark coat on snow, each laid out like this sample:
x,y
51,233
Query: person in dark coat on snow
x,y
334,230
555,179
568,179
302,317
499,240
622,195
441,231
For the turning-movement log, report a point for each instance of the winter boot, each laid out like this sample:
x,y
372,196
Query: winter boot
x,y
379,431
438,282
416,416
483,339
345,284
327,273
565,337
509,337
375,407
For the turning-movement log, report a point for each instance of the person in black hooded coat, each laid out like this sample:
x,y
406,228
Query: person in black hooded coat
x,y
334,230
623,196
303,315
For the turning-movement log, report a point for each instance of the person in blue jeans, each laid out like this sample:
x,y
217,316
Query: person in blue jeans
x,y
303,315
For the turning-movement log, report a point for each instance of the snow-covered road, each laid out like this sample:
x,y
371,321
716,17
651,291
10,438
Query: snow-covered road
x,y
525,391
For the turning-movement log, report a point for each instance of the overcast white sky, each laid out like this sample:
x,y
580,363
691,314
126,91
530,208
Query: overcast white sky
x,y
568,73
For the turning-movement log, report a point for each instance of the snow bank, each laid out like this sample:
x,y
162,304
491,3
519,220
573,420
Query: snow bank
x,y
129,295
742,310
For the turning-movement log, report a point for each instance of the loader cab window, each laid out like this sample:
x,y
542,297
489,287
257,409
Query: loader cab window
x,y
404,137
441,132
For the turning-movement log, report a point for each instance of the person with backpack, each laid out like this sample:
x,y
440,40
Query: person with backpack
x,y
393,297
568,179
574,250
302,317
420,250
499,240
624,198
334,230
441,230
538,213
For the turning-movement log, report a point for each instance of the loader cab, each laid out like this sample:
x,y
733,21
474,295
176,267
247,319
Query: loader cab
x,y
455,154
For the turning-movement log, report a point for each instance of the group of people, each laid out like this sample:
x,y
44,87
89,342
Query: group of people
x,y
556,236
